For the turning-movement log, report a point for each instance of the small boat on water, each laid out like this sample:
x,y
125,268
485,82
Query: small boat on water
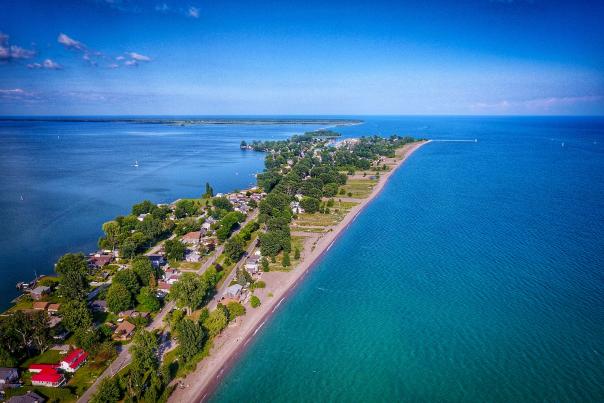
x,y
135,164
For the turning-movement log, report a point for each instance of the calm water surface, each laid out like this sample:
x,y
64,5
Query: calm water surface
x,y
61,180
477,275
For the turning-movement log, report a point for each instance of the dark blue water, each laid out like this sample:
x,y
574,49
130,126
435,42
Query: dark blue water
x,y
75,176
477,275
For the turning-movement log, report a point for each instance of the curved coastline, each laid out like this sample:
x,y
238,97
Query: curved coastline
x,y
203,382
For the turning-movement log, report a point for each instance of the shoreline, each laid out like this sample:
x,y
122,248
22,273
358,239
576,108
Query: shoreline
x,y
229,346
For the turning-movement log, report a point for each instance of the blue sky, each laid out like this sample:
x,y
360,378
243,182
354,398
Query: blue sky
x,y
301,57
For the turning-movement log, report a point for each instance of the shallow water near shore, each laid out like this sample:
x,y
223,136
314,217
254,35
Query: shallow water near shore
x,y
476,275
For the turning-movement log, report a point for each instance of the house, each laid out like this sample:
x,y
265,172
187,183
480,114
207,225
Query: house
x,y
54,320
191,238
252,264
46,375
206,226
192,256
131,313
157,260
171,276
141,217
296,208
8,376
53,308
124,331
40,305
99,305
232,292
51,379
29,397
39,292
74,360
163,286
98,260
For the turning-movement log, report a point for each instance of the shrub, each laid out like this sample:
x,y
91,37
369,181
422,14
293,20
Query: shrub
x,y
255,301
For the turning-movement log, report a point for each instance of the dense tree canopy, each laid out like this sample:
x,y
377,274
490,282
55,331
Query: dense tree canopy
x,y
73,269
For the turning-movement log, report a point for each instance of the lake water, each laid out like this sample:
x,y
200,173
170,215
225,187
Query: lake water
x,y
61,180
476,276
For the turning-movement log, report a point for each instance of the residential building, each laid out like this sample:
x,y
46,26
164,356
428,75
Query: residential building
x,y
8,376
40,305
40,292
74,360
124,331
29,397
191,238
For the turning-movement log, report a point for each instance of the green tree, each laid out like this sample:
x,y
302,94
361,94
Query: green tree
x,y
75,315
128,279
141,265
265,266
73,269
112,233
189,291
234,248
6,359
144,362
145,207
310,204
209,192
222,203
148,300
190,338
297,253
118,298
216,321
108,392
235,309
285,262
175,250
255,301
330,189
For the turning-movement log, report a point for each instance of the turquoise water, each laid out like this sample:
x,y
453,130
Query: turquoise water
x,y
61,180
477,275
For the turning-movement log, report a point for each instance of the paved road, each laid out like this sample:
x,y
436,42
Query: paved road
x,y
124,356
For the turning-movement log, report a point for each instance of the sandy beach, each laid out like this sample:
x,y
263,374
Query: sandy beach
x,y
227,347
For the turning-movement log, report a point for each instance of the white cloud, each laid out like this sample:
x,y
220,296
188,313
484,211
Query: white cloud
x,y
536,105
131,63
193,12
138,57
70,43
15,91
13,52
120,58
46,64
113,66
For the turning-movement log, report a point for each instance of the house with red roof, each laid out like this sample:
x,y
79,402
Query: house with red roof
x,y
74,360
46,375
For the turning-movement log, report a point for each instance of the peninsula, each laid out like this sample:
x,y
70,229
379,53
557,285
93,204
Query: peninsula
x,y
177,290
315,236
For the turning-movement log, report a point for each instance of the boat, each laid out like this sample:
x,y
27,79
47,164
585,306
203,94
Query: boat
x,y
135,164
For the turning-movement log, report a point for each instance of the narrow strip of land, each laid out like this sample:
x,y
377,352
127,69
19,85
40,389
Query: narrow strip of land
x,y
227,346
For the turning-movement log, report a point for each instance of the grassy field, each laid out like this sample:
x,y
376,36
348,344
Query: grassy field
x,y
183,265
297,242
359,188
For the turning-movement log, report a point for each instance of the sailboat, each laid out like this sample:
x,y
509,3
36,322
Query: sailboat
x,y
135,164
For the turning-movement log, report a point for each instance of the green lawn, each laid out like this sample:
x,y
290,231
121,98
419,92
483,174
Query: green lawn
x,y
48,357
359,188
